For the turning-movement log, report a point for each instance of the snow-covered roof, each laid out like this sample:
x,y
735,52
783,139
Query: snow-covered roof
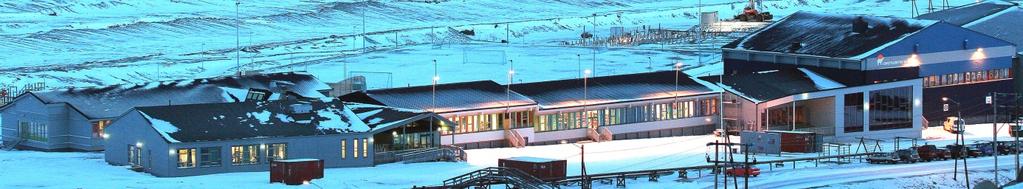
x,y
611,89
992,17
828,35
769,85
384,117
112,101
450,97
254,119
531,159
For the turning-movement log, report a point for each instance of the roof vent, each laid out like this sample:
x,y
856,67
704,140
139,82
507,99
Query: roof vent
x,y
301,108
795,46
859,25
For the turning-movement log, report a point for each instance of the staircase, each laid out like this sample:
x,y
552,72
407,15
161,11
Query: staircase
x,y
8,146
592,134
514,139
605,134
497,175
448,153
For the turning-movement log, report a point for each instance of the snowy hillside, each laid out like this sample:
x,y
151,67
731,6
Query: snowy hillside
x,y
102,42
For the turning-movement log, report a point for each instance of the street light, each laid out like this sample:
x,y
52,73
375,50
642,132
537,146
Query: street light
x,y
959,132
586,75
433,101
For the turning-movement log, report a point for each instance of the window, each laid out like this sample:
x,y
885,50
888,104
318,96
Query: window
x,y
244,155
853,112
891,109
344,148
256,95
276,152
209,157
33,131
98,127
967,77
365,148
186,157
355,148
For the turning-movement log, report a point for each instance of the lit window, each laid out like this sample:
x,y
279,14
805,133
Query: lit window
x,y
276,152
244,155
365,148
355,148
186,158
344,148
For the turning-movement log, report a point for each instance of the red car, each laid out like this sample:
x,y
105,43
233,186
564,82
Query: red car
x,y
740,171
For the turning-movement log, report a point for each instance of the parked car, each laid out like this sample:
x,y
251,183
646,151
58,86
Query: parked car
x,y
931,153
743,171
1007,147
884,157
957,151
983,149
908,155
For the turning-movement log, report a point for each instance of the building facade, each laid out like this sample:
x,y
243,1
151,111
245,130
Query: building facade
x,y
75,118
628,106
951,61
186,140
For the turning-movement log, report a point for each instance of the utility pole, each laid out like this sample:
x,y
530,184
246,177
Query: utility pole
x,y
366,6
579,61
237,38
994,131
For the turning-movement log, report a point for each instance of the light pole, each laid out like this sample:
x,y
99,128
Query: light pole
x,y
507,92
959,132
674,101
433,101
579,61
582,161
586,75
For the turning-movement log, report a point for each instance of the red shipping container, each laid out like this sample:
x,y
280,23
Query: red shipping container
x,y
541,168
796,141
295,171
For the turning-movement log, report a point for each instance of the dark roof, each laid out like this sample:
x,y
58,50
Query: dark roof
x,y
253,119
967,13
610,89
988,17
828,35
450,97
112,101
774,84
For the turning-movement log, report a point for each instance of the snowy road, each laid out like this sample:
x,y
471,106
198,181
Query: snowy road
x,y
829,176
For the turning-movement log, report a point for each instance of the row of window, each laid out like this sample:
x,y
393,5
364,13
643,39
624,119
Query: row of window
x,y
492,122
240,155
33,131
967,77
626,115
249,154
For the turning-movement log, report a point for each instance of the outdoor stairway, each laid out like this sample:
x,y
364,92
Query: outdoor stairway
x,y
433,154
497,175
592,134
11,145
514,139
606,134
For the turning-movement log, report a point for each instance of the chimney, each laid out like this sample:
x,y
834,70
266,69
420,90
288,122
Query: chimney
x,y
795,46
859,25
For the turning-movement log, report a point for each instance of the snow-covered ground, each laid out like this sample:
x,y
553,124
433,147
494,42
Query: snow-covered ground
x,y
25,169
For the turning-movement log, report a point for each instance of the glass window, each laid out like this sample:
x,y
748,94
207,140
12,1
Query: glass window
x,y
891,109
355,148
186,157
277,151
365,148
853,112
98,127
344,148
209,157
244,155
33,131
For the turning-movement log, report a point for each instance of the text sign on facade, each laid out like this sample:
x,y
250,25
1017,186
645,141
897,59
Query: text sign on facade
x,y
944,107
987,100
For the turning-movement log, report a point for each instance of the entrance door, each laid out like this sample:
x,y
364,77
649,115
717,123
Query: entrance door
x,y
134,155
